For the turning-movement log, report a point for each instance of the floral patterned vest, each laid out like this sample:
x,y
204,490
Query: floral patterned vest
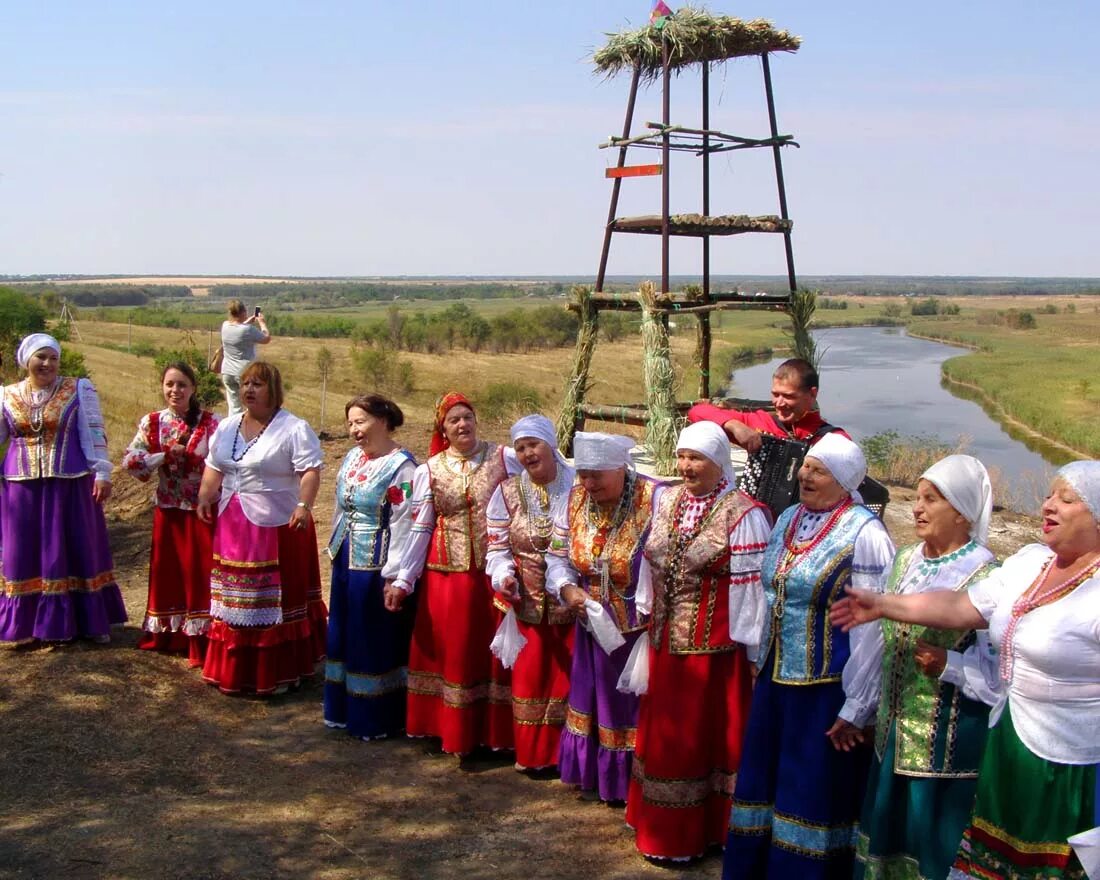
x,y
363,513
50,448
460,537
691,575
621,554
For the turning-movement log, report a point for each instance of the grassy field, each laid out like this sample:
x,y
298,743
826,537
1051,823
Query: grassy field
x,y
1043,377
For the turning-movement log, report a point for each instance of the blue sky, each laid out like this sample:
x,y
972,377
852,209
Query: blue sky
x,y
460,138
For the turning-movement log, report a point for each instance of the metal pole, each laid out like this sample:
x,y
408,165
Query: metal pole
x,y
630,101
779,171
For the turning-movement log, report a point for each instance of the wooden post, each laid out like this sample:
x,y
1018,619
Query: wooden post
x,y
571,419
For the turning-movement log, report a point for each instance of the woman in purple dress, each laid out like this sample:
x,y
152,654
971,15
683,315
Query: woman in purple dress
x,y
58,578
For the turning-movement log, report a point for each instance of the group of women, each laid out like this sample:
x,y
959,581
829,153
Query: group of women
x,y
801,693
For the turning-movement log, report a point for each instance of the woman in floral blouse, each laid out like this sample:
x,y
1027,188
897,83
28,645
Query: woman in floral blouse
x,y
172,444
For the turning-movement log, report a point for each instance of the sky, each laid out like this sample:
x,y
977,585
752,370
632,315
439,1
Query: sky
x,y
432,138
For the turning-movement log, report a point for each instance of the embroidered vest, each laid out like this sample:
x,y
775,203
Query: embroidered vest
x,y
808,650
691,576
939,732
363,513
460,536
54,449
621,554
529,555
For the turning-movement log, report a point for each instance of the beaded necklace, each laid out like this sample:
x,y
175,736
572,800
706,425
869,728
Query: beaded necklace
x,y
37,416
1035,596
605,529
237,436
680,538
793,549
538,502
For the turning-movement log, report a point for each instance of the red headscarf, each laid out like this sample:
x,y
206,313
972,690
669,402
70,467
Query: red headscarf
x,y
442,407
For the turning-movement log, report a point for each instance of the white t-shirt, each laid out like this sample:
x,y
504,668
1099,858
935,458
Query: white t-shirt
x,y
239,346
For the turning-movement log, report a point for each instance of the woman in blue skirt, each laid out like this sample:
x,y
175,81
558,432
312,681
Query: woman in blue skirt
x,y
368,646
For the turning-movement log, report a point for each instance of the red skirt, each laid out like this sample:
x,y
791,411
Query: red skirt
x,y
177,616
260,659
690,727
458,691
540,691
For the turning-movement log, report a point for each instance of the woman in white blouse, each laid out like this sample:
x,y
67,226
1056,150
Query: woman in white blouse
x,y
268,629
804,762
1037,782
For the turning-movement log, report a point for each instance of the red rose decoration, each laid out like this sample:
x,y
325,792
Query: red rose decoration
x,y
394,495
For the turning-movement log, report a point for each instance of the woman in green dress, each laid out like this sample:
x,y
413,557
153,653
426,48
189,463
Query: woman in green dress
x,y
931,720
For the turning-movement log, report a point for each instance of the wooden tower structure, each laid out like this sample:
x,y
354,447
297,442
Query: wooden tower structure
x,y
653,53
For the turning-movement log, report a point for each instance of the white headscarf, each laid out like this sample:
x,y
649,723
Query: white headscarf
x,y
540,428
964,482
31,344
844,459
710,440
1084,477
596,451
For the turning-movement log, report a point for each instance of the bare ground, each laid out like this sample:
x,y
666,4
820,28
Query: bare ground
x,y
122,763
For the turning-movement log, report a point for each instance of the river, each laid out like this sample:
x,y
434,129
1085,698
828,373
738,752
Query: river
x,y
876,379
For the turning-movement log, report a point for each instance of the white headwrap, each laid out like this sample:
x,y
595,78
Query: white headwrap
x,y
596,451
710,440
844,459
540,428
31,344
1084,477
964,482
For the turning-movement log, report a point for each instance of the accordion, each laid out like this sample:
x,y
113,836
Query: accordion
x,y
771,477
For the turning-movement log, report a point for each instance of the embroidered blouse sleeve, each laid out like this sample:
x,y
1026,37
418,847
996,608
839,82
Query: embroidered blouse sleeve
x,y
498,559
415,552
138,461
400,517
93,437
861,677
747,605
559,570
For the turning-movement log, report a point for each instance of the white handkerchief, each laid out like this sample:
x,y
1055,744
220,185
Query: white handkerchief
x,y
603,627
1087,846
508,641
635,677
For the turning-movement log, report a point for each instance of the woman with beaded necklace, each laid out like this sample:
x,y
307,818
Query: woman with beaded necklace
x,y
703,588
368,647
1038,775
58,579
804,761
593,566
457,691
520,520
268,617
935,701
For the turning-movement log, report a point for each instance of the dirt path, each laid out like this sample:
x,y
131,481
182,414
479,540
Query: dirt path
x,y
122,764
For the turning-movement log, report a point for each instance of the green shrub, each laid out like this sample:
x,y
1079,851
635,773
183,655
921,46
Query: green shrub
x,y
505,402
209,390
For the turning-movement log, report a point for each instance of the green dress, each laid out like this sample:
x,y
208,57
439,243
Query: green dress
x,y
929,735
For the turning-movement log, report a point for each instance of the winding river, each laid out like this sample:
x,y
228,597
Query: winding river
x,y
876,379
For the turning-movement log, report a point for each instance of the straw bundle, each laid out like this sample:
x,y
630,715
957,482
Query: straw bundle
x,y
694,36
663,427
582,358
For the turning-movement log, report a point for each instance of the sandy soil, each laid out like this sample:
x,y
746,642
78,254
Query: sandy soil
x,y
121,763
